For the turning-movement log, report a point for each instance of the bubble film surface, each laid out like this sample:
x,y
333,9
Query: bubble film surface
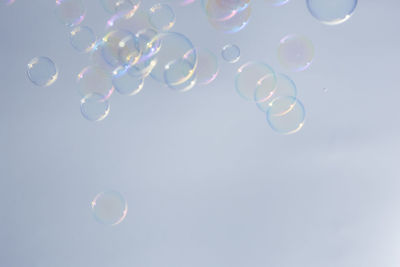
x,y
70,12
295,52
162,17
109,208
126,84
94,107
42,71
207,66
332,12
82,39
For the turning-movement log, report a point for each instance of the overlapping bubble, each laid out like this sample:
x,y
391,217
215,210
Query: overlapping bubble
x,y
109,208
42,71
127,84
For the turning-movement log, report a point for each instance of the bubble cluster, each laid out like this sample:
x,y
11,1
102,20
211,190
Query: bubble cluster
x,y
109,208
42,71
162,17
332,12
295,52
70,12
82,39
230,53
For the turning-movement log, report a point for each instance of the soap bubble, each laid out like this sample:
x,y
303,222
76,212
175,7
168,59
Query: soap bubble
x,y
233,23
179,75
82,39
295,52
42,71
126,8
94,107
70,12
277,2
162,17
222,10
126,84
207,66
286,115
231,53
109,208
249,76
332,12
95,80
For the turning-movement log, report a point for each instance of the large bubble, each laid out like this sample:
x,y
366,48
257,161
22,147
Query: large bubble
x,y
295,52
109,208
70,12
42,71
332,12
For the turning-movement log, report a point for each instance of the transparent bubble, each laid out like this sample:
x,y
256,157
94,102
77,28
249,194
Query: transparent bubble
x,y
95,80
332,12
285,87
42,71
94,107
234,23
207,66
70,12
230,53
286,115
82,39
277,2
177,72
295,52
249,76
172,46
162,17
7,2
109,208
222,10
126,84
127,8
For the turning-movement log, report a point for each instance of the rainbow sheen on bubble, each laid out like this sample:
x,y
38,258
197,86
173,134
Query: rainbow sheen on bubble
x,y
162,17
70,12
82,39
42,71
295,52
332,12
125,8
234,22
109,208
95,80
207,66
94,107
285,87
126,84
249,76
286,115
277,2
230,53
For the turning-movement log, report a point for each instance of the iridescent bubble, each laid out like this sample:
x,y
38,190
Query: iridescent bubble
x,y
173,46
332,12
7,2
162,17
82,39
277,2
94,107
126,84
285,87
207,66
42,71
95,80
109,208
177,72
70,12
234,23
126,8
286,115
295,52
230,53
222,10
249,76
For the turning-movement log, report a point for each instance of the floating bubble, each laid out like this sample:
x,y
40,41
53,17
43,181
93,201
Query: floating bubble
x,y
222,10
109,208
249,76
162,17
126,8
207,66
179,75
70,12
94,107
295,52
332,12
7,2
42,71
82,39
234,23
286,115
277,2
285,87
126,84
172,46
95,80
230,53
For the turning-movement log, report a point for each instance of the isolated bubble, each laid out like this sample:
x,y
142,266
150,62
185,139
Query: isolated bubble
x,y
82,39
277,2
70,12
295,52
234,23
207,66
95,80
249,76
332,12
162,17
285,87
42,71
126,84
230,53
286,115
109,208
94,107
